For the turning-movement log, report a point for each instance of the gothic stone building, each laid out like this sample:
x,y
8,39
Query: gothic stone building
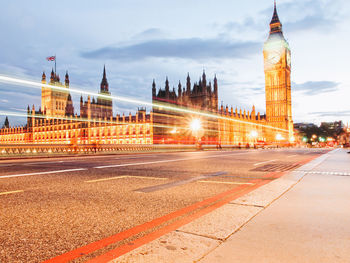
x,y
56,123
229,126
169,125
102,107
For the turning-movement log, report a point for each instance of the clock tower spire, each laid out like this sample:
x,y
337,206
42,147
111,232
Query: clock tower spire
x,y
277,67
275,24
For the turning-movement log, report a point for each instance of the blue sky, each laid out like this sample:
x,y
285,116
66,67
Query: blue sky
x,y
144,40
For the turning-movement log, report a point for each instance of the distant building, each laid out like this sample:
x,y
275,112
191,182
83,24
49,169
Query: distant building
x,y
303,125
334,127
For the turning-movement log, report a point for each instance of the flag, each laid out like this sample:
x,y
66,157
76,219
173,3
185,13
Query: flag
x,y
52,58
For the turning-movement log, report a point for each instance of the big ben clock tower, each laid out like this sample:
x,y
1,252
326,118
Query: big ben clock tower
x,y
277,67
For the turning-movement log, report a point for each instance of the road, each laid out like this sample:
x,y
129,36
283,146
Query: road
x,y
52,206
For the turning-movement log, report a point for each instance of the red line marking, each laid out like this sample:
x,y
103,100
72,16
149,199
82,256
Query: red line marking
x,y
79,252
112,254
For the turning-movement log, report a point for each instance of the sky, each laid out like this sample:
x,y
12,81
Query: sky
x,y
139,41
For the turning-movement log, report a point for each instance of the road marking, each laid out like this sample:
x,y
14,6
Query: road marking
x,y
40,173
126,176
256,164
118,165
5,165
43,163
326,173
167,161
133,157
154,188
11,192
220,182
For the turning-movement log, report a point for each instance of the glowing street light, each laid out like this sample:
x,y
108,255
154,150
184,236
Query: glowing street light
x,y
321,139
195,125
173,131
279,137
253,134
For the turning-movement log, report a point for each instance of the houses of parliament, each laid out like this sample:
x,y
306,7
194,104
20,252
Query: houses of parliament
x,y
56,121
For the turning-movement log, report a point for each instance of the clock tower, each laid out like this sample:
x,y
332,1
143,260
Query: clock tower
x,y
277,67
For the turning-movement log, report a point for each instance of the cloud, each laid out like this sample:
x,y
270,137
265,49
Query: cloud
x,y
311,22
303,16
191,48
309,15
249,23
315,87
340,114
151,33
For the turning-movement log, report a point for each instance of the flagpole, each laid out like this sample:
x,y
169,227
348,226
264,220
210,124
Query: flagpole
x,y
55,64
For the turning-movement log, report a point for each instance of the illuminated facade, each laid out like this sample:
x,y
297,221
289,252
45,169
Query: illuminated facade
x,y
56,102
56,123
173,111
230,127
173,127
277,67
101,107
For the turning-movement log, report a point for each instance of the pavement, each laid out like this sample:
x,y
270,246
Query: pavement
x,y
303,216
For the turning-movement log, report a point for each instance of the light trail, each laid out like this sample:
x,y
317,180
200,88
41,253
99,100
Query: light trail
x,y
40,116
39,85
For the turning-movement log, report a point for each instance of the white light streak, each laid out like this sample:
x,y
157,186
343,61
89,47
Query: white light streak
x,y
39,85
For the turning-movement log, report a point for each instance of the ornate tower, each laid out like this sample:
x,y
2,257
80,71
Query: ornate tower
x,y
54,101
277,67
104,103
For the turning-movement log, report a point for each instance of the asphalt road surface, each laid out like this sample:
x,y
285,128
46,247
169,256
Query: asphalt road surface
x,y
51,206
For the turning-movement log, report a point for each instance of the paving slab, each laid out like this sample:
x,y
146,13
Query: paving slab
x,y
222,222
173,247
